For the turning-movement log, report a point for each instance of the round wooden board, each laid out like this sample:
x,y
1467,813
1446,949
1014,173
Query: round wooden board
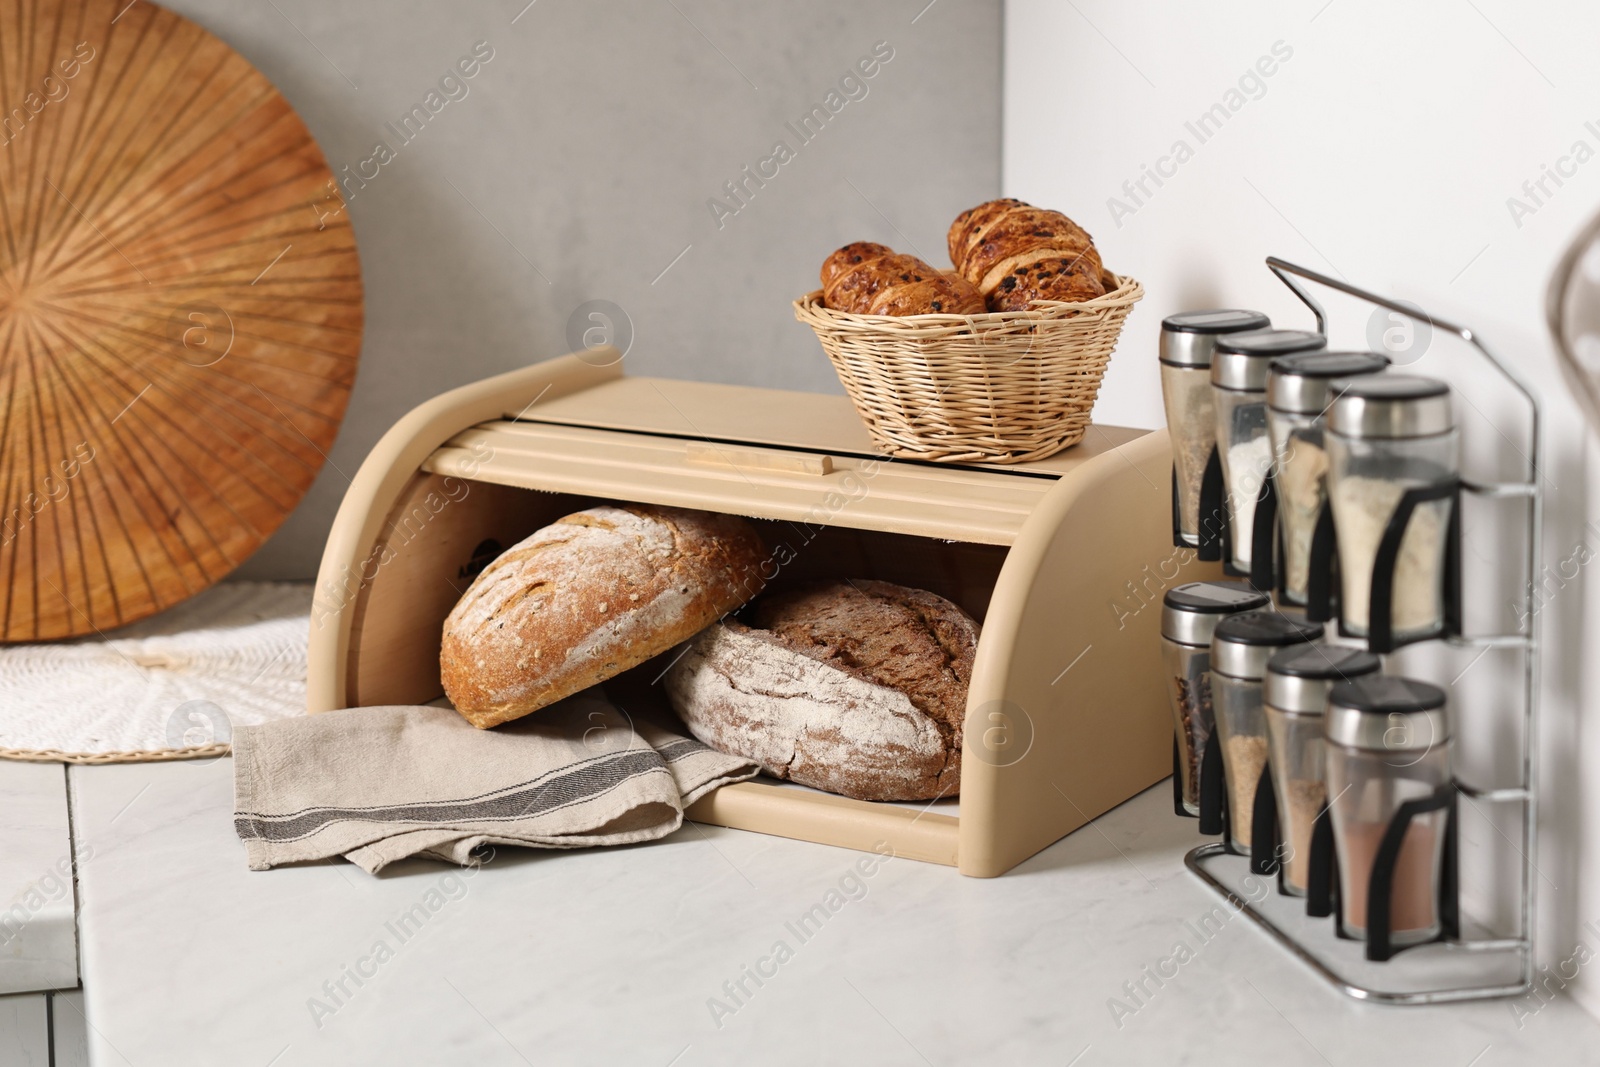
x,y
180,313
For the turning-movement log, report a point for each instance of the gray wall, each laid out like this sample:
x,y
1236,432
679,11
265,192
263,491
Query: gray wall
x,y
582,158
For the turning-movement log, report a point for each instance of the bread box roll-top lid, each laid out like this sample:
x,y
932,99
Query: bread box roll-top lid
x,y
1299,677
1188,337
1385,713
1190,612
1241,360
1244,643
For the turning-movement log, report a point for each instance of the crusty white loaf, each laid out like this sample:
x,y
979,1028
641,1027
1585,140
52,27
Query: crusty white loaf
x,y
858,688
588,597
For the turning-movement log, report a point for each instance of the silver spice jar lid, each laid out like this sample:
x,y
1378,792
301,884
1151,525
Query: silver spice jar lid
x,y
1383,713
1299,677
1190,612
1390,406
1300,384
1240,360
1242,644
1187,337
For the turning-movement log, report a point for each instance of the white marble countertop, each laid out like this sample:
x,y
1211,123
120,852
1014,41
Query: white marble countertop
x,y
624,955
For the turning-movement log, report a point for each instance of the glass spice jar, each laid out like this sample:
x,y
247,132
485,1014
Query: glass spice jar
x,y
1388,741
1298,396
1240,648
1389,433
1189,617
1295,696
1239,365
1186,343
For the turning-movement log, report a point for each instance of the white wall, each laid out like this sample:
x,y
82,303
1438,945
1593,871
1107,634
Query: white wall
x,y
1382,148
582,161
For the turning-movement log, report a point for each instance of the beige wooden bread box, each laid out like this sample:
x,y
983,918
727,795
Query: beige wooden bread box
x,y
1063,561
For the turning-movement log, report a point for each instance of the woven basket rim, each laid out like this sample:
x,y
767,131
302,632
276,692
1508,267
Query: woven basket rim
x,y
1127,293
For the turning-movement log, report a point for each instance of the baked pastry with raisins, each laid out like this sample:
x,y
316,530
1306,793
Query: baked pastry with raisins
x,y
851,255
942,294
972,222
1068,278
854,288
1016,253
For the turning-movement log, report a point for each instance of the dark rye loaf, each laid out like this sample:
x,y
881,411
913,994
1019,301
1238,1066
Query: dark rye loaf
x,y
858,688
588,597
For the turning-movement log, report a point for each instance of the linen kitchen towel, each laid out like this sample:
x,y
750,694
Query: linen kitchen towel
x,y
380,784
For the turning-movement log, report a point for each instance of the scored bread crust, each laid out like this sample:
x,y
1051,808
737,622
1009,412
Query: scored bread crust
x,y
856,688
851,255
588,597
854,289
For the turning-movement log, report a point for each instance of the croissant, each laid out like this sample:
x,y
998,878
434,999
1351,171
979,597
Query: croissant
x,y
855,287
1016,253
971,222
943,294
849,256
1067,278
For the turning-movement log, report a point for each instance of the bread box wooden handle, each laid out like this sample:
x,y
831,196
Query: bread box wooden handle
x,y
705,454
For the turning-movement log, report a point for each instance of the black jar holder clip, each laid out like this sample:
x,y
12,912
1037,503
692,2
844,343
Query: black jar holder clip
x,y
1212,520
1268,572
1217,818
1322,883
1323,603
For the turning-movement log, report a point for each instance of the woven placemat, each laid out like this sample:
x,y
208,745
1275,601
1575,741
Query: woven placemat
x,y
173,686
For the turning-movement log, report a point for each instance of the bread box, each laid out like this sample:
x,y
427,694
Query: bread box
x,y
1063,561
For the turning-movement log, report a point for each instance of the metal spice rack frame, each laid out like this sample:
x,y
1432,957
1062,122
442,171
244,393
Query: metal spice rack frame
x,y
1525,792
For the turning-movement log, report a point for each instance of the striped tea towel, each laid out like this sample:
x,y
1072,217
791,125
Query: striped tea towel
x,y
375,785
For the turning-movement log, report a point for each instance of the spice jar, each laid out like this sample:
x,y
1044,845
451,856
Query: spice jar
x,y
1389,434
1240,648
1239,365
1295,695
1388,742
1189,616
1298,395
1186,343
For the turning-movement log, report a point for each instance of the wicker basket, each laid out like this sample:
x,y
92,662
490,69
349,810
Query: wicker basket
x,y
1003,387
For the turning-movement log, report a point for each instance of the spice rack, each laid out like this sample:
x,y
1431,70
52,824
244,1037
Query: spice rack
x,y
1469,964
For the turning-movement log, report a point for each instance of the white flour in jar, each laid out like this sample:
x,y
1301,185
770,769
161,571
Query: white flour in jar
x,y
1300,495
1361,511
1248,463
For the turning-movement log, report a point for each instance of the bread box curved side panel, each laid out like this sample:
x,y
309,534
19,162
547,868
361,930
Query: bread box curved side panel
x,y
384,492
1067,713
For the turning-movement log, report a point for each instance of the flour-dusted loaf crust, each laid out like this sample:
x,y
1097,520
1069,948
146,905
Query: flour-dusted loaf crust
x,y
588,597
858,688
